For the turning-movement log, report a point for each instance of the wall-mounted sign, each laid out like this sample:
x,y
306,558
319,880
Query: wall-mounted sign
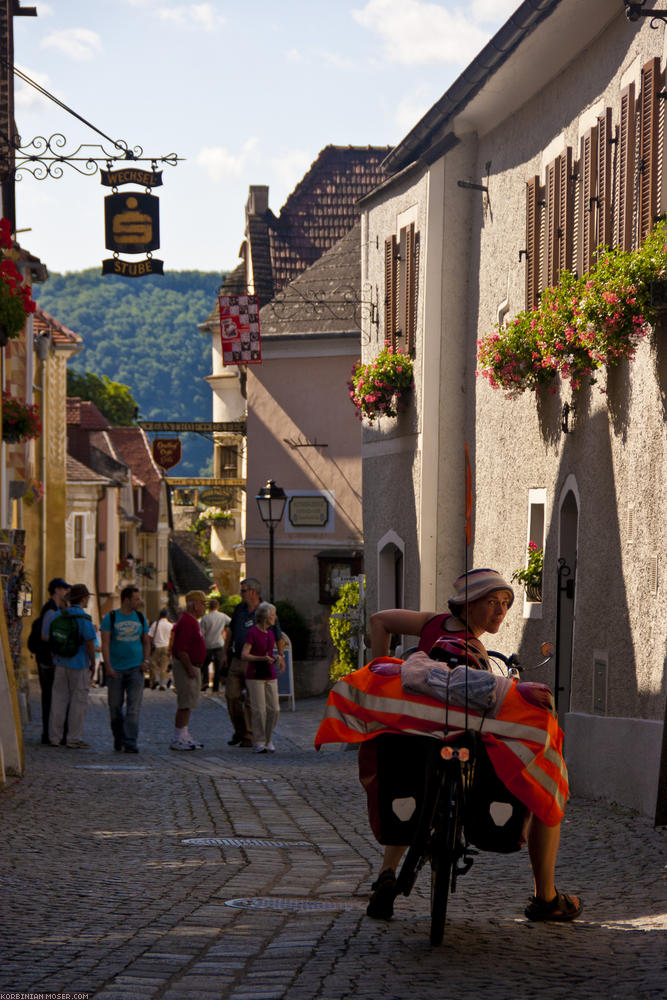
x,y
308,512
239,330
131,175
167,452
216,496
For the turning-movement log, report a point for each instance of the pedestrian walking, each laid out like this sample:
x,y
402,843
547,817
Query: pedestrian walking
x,y
261,677
188,652
243,619
72,641
125,651
213,626
160,636
38,644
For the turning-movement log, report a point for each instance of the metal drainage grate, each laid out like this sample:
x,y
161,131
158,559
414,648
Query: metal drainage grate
x,y
282,903
243,842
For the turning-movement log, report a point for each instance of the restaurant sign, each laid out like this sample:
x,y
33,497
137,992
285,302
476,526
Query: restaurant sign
x,y
167,452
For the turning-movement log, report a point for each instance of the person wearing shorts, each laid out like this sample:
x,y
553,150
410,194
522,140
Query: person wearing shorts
x,y
188,652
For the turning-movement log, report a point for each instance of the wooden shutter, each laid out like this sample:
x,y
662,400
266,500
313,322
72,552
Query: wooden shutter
x,y
411,278
604,174
390,290
532,243
551,225
648,148
565,211
626,169
588,206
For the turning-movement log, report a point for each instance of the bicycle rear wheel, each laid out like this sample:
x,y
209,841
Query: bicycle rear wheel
x,y
443,856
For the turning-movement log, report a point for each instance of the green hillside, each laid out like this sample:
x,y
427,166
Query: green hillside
x,y
143,333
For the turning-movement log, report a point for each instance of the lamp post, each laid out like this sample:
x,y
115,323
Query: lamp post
x,y
271,501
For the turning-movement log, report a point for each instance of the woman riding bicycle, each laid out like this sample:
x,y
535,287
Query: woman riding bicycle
x,y
480,601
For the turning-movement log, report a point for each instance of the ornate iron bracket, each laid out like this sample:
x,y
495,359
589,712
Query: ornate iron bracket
x,y
634,10
44,157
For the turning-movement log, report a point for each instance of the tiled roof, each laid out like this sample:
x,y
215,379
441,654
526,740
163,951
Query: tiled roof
x,y
77,472
61,335
85,414
323,299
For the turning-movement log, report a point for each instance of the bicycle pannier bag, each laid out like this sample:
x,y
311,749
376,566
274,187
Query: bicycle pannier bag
x,y
494,817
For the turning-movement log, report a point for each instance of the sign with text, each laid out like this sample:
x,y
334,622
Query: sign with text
x,y
132,268
131,175
167,452
239,330
308,512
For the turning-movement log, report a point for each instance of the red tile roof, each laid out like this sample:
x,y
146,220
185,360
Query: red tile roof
x,y
60,334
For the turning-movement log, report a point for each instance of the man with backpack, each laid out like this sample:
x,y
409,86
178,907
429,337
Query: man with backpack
x,y
72,644
126,648
38,644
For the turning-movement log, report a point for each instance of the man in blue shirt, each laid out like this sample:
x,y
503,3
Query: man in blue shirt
x,y
72,674
126,648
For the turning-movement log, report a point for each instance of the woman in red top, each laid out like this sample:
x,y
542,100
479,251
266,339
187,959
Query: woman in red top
x,y
480,601
261,678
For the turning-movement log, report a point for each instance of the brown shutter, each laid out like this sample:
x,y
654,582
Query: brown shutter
x,y
551,234
565,211
648,148
411,275
532,243
626,169
390,290
589,197
604,172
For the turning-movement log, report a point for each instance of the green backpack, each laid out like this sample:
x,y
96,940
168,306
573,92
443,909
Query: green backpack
x,y
64,635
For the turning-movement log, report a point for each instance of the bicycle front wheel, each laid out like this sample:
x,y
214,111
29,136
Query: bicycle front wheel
x,y
443,858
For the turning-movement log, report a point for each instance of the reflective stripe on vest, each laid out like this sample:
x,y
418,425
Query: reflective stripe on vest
x,y
524,742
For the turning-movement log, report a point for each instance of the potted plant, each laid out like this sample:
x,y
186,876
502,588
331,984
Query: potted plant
x,y
19,420
378,389
531,576
16,301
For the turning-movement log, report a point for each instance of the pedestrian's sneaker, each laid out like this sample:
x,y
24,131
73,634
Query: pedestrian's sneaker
x,y
181,745
259,748
194,744
78,745
381,905
270,747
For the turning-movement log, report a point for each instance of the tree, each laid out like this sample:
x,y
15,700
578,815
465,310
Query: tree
x,y
113,399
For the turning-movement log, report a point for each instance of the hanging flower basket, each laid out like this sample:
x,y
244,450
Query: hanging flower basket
x,y
19,420
16,301
582,324
531,576
379,388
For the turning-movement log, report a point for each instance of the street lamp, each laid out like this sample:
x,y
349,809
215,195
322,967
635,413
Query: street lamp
x,y
271,501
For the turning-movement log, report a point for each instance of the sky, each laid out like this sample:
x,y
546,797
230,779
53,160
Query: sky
x,y
245,91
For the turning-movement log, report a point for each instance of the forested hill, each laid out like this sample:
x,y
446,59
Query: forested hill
x,y
143,333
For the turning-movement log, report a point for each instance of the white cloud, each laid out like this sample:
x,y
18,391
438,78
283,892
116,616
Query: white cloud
x,y
493,11
219,162
415,32
196,15
25,96
77,43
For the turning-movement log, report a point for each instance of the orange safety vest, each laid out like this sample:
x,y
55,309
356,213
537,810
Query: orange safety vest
x,y
524,742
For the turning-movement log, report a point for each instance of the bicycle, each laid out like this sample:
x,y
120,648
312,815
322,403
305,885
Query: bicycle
x,y
444,825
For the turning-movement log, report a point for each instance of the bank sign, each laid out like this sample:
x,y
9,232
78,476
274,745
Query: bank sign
x,y
131,223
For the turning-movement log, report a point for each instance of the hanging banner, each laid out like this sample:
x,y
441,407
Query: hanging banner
x,y
131,175
167,452
239,330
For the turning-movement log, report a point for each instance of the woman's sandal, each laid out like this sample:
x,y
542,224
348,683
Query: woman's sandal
x,y
561,908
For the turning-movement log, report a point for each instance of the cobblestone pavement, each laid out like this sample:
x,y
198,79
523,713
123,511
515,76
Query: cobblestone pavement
x,y
103,894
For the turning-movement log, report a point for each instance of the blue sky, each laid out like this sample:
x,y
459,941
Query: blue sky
x,y
247,91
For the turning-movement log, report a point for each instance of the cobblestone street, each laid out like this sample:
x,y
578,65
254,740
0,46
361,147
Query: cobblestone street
x,y
105,892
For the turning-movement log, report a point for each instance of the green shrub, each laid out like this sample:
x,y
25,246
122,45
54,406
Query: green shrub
x,y
295,625
341,631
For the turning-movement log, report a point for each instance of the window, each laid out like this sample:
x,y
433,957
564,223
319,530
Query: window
x,y
532,604
228,462
79,538
401,274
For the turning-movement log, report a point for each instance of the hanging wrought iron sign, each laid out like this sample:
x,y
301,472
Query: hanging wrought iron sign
x,y
132,225
131,175
167,452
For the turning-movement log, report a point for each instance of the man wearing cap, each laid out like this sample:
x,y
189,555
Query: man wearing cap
x,y
126,647
72,674
479,603
58,591
188,651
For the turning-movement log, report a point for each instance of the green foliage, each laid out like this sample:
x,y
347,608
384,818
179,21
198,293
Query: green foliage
x,y
295,625
143,334
112,399
581,324
227,601
531,576
340,629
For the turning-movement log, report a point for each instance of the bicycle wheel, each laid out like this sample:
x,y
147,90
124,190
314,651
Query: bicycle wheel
x,y
443,856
